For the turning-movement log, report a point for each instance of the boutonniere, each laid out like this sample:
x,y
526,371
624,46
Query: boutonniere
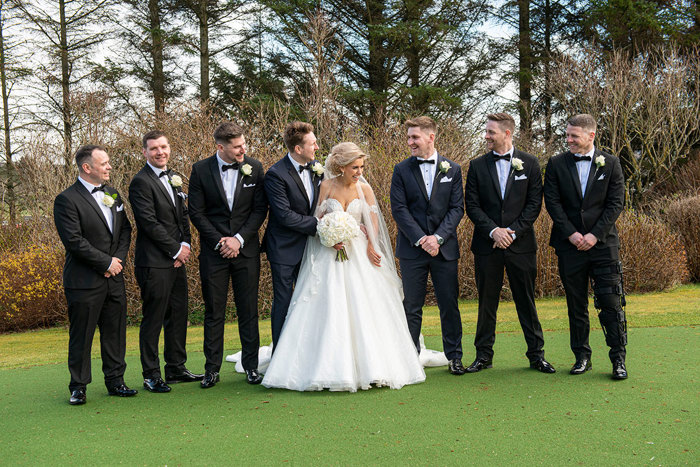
x,y
246,169
175,181
108,200
600,161
444,167
517,163
317,169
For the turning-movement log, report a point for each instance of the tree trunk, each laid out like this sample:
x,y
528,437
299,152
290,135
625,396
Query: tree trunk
x,y
376,69
158,83
548,19
203,51
524,68
9,165
65,85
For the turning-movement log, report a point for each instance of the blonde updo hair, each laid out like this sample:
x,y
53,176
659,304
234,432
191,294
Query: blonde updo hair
x,y
341,155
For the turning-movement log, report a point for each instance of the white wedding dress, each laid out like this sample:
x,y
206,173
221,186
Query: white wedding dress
x,y
346,328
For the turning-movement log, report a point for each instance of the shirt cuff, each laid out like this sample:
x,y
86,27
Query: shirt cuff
x,y
179,251
240,239
418,242
491,233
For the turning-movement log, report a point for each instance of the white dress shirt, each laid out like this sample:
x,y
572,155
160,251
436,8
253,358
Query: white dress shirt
x,y
306,179
165,180
428,172
229,179
99,196
503,171
584,168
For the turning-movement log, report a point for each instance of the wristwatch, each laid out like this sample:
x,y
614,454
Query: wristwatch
x,y
439,239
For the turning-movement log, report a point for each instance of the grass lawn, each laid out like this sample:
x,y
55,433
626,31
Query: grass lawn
x,y
506,415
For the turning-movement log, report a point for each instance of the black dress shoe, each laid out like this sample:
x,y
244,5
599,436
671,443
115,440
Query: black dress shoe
x,y
185,376
122,391
581,366
543,366
479,364
210,379
77,397
619,369
156,385
253,377
455,366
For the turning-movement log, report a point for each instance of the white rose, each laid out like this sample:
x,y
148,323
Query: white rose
x,y
317,169
517,163
600,161
176,181
444,167
246,169
108,201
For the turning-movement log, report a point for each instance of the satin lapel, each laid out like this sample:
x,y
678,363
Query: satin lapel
x,y
569,158
438,175
317,188
237,191
415,168
215,173
511,177
297,179
152,177
115,219
91,201
493,171
592,174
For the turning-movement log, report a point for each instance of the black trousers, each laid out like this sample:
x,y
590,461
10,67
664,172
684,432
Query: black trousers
x,y
522,272
414,275
575,269
284,278
164,297
103,307
244,275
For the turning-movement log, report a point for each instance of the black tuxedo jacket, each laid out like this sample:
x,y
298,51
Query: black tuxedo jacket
x,y
161,225
209,211
518,209
291,220
417,216
85,234
594,213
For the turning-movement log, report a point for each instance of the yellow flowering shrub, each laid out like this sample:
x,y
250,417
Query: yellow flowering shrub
x,y
31,289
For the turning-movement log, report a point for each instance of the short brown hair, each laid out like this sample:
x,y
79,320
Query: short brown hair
x,y
424,123
504,120
153,134
585,121
227,131
84,154
295,132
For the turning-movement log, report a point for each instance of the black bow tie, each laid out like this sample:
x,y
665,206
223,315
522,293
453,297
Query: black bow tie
x,y
164,173
308,167
420,160
581,158
233,166
498,157
98,188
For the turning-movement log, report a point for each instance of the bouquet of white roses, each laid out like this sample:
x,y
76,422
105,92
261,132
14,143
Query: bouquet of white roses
x,y
336,227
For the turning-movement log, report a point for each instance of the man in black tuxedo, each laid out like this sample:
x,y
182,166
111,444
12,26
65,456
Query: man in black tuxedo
x,y
162,249
584,193
228,206
427,203
503,197
96,233
292,186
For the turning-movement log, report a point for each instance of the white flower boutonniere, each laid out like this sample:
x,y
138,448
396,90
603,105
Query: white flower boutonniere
x,y
517,163
176,181
317,169
246,169
108,200
600,161
444,167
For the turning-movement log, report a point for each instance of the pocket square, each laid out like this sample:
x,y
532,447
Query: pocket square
x,y
120,208
182,194
601,177
445,180
248,185
520,177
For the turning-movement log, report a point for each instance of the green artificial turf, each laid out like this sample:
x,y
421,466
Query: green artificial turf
x,y
506,415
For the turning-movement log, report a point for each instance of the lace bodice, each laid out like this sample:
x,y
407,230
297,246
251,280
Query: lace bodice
x,y
354,208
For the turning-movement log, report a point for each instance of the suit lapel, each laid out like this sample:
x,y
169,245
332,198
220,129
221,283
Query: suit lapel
x,y
592,174
91,201
216,175
239,185
151,175
415,169
115,218
493,171
317,187
297,179
511,176
438,176
571,164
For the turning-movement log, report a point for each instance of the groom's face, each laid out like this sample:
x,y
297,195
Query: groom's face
x,y
421,142
308,147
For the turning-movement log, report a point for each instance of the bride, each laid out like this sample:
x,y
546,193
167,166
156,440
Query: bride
x,y
346,328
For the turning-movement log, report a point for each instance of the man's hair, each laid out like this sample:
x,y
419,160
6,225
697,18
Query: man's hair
x,y
504,120
227,131
295,132
585,121
153,134
84,154
424,123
